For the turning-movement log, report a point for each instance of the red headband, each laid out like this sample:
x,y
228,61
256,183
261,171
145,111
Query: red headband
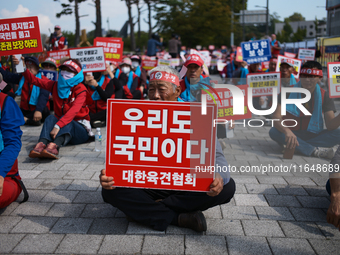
x,y
73,64
164,76
310,71
51,59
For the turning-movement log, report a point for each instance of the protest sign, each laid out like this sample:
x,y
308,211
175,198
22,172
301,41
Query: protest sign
x,y
306,54
211,47
52,75
213,61
265,66
220,65
20,36
333,70
256,51
262,83
206,61
239,57
113,47
91,58
225,110
159,144
218,54
289,54
175,62
58,55
297,65
164,62
149,62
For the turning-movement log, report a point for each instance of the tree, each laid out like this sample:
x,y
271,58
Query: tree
x,y
296,17
98,23
132,31
151,4
68,10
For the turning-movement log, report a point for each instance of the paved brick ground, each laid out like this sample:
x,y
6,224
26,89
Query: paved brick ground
x,y
271,213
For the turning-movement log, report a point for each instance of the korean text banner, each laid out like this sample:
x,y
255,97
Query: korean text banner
x,y
333,69
297,65
256,51
307,54
20,36
113,47
158,144
225,106
58,55
262,83
91,58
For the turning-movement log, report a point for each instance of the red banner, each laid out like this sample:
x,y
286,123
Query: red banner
x,y
149,63
20,36
113,47
58,54
159,145
225,110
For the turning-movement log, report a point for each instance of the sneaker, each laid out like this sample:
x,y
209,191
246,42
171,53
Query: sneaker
x,y
51,151
324,152
36,152
98,123
193,220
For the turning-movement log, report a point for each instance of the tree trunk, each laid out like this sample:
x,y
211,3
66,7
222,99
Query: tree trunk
x,y
76,40
149,18
132,32
138,9
98,32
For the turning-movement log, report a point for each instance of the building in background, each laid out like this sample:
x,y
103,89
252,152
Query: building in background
x,y
311,30
333,17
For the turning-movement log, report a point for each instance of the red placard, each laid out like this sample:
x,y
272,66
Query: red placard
x,y
149,63
58,54
113,47
289,55
158,145
20,36
225,110
265,66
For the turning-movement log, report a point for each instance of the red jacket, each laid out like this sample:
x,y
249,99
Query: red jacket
x,y
61,43
97,105
72,108
26,96
302,120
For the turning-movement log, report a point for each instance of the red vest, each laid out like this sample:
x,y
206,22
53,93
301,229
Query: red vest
x,y
302,120
61,106
26,96
97,105
274,51
60,43
14,169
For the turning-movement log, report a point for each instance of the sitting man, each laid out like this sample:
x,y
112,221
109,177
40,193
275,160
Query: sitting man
x,y
160,208
11,119
308,137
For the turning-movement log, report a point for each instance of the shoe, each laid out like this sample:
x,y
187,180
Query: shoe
x,y
223,144
36,152
98,123
193,220
327,153
51,151
31,122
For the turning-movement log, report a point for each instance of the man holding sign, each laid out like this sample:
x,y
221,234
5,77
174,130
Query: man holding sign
x,y
160,208
306,133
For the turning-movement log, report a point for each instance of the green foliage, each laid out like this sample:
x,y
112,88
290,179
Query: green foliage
x,y
70,36
296,17
67,8
141,43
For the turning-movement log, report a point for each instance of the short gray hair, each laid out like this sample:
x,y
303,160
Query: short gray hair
x,y
167,69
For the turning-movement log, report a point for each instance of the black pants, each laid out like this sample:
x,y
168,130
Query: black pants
x,y
30,114
140,204
173,55
97,116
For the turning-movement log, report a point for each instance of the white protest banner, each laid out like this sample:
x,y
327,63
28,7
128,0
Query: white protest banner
x,y
297,65
164,62
262,83
289,55
213,62
306,54
175,62
91,58
333,70
218,54
220,65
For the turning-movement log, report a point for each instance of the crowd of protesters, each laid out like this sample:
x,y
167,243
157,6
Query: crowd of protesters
x,y
79,103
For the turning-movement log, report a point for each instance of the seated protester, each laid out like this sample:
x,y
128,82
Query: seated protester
x,y
287,70
132,88
308,137
34,100
333,189
100,89
49,64
11,119
71,121
139,71
160,208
